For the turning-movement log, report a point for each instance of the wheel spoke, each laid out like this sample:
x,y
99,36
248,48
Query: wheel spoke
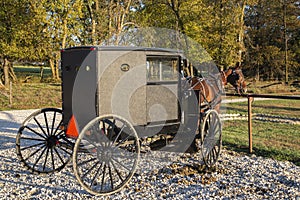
x,y
53,121
93,167
46,121
113,126
110,176
120,164
68,141
35,132
117,171
122,141
33,153
40,126
40,156
33,139
103,177
60,147
88,139
97,132
52,159
35,145
87,161
103,124
97,173
60,158
56,129
118,134
46,158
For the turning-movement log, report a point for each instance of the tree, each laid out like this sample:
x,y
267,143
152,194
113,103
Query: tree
x,y
268,34
14,15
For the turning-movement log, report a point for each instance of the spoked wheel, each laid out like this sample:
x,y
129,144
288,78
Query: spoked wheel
x,y
211,135
106,155
41,143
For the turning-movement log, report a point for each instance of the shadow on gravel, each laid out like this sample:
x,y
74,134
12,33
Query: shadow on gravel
x,y
7,126
8,133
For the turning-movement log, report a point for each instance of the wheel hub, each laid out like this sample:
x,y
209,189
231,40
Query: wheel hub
x,y
105,154
52,141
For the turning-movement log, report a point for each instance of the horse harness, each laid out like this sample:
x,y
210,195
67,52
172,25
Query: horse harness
x,y
206,103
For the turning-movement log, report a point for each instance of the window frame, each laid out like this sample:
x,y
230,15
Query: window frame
x,y
162,58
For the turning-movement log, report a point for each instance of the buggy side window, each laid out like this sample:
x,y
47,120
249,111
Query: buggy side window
x,y
162,69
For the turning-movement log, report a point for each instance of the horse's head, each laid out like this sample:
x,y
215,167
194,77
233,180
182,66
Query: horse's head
x,y
235,77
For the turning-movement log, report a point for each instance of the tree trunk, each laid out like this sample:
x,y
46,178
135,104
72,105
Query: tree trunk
x,y
1,76
57,64
41,73
6,72
64,35
110,21
285,43
241,33
51,63
12,74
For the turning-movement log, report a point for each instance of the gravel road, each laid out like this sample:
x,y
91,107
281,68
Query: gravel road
x,y
236,176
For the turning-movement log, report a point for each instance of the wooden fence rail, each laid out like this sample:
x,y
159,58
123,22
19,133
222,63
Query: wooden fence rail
x,y
250,98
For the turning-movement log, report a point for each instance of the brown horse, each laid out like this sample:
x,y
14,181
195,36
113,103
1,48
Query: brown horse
x,y
235,77
208,93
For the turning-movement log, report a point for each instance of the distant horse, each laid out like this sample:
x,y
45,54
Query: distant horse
x,y
235,77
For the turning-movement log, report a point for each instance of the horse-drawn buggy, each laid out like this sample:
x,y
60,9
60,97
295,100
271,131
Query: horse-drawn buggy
x,y
119,102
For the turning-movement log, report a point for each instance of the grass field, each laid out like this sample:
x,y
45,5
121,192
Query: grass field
x,y
32,93
272,106
31,96
274,140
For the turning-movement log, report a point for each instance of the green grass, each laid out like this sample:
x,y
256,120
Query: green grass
x,y
274,107
31,96
275,140
34,92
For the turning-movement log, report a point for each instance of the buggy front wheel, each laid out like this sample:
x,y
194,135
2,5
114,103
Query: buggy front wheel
x,y
211,136
106,154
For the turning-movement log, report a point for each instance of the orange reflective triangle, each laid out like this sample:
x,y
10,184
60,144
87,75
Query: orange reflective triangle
x,y
72,130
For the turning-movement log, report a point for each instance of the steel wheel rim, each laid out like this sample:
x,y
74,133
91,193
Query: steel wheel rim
x,y
211,134
102,162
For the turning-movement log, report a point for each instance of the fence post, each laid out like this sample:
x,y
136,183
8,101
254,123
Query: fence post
x,y
10,94
250,100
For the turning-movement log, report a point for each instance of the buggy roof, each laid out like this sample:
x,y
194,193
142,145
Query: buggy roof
x,y
125,48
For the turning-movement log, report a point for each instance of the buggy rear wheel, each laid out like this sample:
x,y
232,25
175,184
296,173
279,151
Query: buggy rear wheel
x,y
41,143
106,155
211,134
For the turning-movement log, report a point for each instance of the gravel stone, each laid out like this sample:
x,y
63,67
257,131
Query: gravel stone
x,y
236,176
